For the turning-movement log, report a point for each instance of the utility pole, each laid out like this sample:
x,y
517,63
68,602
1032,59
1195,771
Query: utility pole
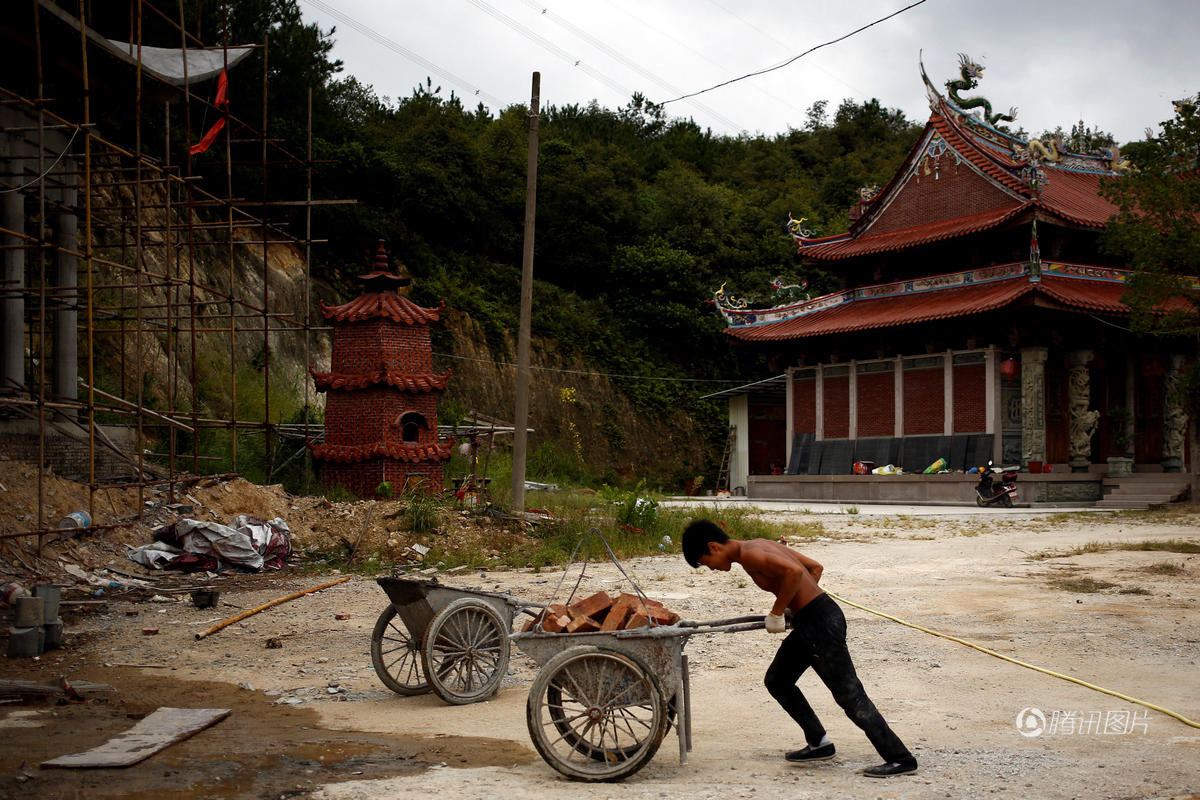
x,y
521,422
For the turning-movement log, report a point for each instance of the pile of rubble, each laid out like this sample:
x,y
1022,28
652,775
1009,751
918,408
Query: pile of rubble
x,y
602,612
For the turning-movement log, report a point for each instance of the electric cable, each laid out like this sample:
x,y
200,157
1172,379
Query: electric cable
x,y
401,50
797,57
1020,663
550,47
622,59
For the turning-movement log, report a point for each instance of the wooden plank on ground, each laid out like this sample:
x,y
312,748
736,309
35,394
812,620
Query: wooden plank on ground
x,y
158,731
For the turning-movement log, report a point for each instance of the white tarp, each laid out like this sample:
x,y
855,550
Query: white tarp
x,y
168,63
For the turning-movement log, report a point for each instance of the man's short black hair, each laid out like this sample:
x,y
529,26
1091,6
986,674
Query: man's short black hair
x,y
696,537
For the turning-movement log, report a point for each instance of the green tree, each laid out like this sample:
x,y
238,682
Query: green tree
x,y
1157,232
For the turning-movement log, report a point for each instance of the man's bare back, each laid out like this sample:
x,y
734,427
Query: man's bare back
x,y
783,572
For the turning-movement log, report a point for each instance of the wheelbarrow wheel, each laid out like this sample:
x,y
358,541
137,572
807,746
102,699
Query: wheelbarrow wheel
x,y
466,651
596,714
396,655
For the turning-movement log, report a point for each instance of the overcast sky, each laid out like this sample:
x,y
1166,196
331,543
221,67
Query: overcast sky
x,y
1116,65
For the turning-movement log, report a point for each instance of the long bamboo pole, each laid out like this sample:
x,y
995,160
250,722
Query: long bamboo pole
x,y
265,606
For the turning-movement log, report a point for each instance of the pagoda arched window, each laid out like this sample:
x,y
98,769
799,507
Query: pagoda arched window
x,y
411,425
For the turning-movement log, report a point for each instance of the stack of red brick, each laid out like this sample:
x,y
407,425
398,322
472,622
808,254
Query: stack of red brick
x,y
602,612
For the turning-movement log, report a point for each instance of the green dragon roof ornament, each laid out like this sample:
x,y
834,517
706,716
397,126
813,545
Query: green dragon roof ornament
x,y
971,73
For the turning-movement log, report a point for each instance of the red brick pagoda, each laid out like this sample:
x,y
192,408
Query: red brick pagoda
x,y
381,407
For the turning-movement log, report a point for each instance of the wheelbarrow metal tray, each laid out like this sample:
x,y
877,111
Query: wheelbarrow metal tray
x,y
659,647
418,600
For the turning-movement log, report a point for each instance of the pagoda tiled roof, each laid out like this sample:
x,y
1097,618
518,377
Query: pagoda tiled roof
x,y
387,305
353,453
417,383
865,313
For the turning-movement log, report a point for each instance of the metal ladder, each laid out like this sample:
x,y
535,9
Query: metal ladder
x,y
726,458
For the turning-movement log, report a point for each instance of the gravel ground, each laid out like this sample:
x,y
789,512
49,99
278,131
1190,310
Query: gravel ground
x,y
957,708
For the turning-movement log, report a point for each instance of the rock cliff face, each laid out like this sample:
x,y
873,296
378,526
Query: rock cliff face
x,y
572,406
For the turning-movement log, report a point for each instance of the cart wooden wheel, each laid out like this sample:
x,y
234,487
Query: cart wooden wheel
x,y
397,655
596,714
466,651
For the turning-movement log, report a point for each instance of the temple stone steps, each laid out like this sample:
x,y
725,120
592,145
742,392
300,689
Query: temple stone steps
x,y
1141,491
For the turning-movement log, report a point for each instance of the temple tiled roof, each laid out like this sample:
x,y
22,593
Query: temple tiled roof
x,y
400,380
1068,190
353,453
959,301
909,237
395,307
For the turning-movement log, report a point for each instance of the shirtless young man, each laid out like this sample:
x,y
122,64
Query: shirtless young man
x,y
817,640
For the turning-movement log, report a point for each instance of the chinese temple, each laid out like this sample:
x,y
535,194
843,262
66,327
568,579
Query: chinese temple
x,y
381,392
977,319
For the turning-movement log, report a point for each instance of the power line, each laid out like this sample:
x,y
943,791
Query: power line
x,y
666,34
782,44
796,58
550,47
401,50
622,59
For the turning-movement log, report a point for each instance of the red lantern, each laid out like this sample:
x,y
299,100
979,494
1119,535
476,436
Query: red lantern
x,y
1009,368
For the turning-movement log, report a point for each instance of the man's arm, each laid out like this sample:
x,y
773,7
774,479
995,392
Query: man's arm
x,y
814,568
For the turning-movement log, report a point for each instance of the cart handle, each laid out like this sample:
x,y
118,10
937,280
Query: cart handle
x,y
732,625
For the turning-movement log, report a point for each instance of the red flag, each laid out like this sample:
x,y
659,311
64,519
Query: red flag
x,y
222,102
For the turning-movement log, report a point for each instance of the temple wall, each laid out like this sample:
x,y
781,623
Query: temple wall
x,y
924,409
836,406
969,393
804,405
876,404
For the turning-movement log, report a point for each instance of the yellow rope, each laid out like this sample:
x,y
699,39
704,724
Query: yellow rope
x,y
1043,670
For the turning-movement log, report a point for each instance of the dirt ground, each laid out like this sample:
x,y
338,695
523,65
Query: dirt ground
x,y
310,718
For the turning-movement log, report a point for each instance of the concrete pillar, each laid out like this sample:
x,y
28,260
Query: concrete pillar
x,y
819,403
739,418
1033,404
12,276
898,428
853,403
948,393
789,415
66,316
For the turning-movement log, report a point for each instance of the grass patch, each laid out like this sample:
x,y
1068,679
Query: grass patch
x,y
1134,590
1159,545
1164,568
1082,585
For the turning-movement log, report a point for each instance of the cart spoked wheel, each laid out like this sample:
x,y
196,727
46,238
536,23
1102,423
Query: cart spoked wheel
x,y
397,655
596,714
466,651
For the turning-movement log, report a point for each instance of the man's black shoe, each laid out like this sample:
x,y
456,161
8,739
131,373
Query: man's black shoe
x,y
891,768
810,753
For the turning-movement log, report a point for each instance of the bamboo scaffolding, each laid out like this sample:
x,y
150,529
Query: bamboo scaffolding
x,y
145,220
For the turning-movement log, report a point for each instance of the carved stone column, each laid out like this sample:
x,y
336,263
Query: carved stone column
x,y
1033,404
1175,418
1083,420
